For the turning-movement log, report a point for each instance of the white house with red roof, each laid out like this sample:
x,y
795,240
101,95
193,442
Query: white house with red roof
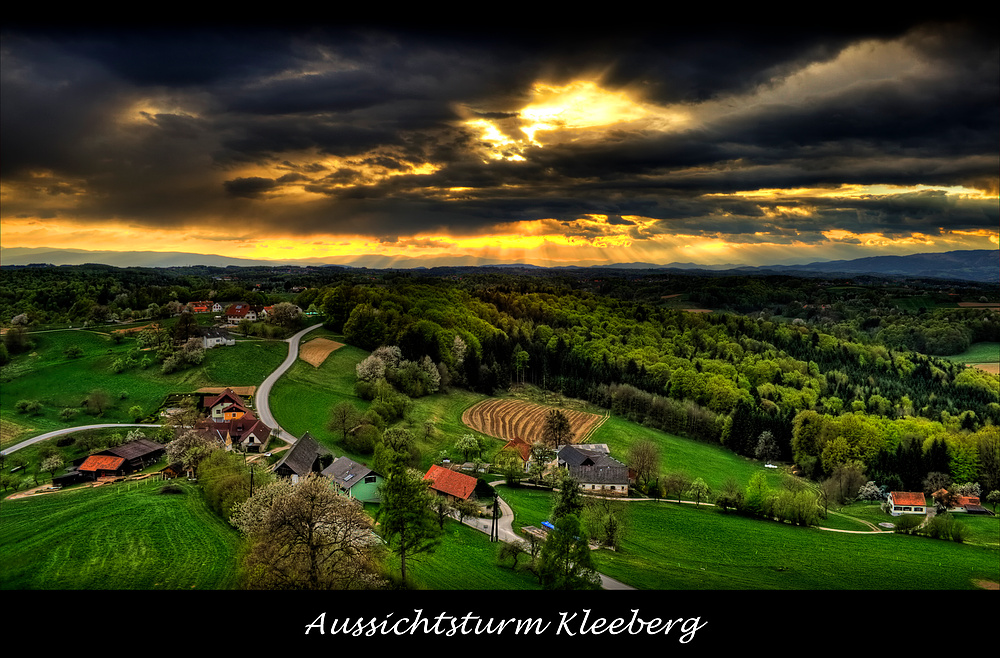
x,y
906,502
241,311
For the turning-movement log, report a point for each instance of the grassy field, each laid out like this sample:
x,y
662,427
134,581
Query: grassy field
x,y
986,353
464,560
113,537
671,546
303,398
59,382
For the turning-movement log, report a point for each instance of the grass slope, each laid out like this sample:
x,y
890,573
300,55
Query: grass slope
x,y
671,546
60,382
115,538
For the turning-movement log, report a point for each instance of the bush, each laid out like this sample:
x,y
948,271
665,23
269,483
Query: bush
x,y
28,406
908,523
171,489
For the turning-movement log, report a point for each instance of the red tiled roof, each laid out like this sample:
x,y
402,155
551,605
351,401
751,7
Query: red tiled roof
x,y
907,498
522,447
967,500
102,463
450,482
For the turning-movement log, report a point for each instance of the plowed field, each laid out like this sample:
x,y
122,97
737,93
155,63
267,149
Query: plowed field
x,y
315,351
508,419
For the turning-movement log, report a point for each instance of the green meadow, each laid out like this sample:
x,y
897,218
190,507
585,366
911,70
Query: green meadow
x,y
105,538
125,536
978,353
302,401
59,382
681,546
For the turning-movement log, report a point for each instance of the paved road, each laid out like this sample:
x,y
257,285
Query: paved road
x,y
70,430
264,390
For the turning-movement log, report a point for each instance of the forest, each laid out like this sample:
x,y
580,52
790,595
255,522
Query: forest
x,y
843,373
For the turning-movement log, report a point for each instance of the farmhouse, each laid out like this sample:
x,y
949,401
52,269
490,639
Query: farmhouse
x,y
906,502
300,460
225,402
519,447
201,307
121,460
453,485
594,468
355,480
215,337
968,504
233,424
241,311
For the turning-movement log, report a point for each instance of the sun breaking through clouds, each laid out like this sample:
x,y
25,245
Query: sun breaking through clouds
x,y
754,146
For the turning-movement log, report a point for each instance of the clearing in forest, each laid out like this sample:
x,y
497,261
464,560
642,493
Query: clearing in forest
x,y
315,351
508,419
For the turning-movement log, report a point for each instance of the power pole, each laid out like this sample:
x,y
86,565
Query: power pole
x,y
494,531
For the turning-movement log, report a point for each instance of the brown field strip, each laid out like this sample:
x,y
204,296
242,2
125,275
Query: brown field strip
x,y
10,432
508,419
315,351
993,368
242,391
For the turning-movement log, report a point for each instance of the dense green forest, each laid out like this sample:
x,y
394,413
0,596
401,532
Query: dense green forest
x,y
842,373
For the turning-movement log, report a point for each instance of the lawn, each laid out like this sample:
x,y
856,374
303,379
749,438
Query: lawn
x,y
303,398
671,546
464,560
712,463
978,353
59,382
126,537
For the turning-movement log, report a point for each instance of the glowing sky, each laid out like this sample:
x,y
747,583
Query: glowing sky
x,y
754,146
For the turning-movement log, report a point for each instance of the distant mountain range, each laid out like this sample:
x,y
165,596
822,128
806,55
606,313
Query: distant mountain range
x,y
981,265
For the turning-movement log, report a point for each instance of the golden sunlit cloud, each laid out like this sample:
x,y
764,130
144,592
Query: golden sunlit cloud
x,y
576,111
854,191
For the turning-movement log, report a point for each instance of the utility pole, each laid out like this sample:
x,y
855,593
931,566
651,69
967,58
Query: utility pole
x,y
494,531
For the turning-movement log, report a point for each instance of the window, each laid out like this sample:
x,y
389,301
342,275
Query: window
x,y
369,479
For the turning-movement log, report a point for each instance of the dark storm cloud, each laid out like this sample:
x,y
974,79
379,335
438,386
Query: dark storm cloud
x,y
221,102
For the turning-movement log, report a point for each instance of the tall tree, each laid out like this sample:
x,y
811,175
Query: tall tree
x,y
565,562
407,522
344,418
570,500
556,429
644,459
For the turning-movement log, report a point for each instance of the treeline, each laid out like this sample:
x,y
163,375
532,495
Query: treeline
x,y
101,293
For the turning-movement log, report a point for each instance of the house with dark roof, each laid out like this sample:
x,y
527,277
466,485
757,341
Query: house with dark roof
x,y
301,459
354,480
906,502
593,467
215,337
454,485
